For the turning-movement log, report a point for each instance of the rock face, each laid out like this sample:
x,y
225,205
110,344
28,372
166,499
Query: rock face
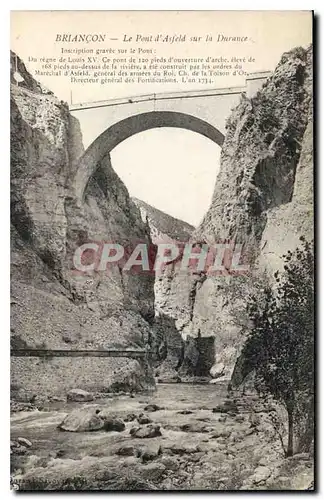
x,y
178,357
52,305
163,227
199,355
263,199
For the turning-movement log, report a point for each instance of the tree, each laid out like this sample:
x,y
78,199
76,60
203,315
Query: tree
x,y
280,345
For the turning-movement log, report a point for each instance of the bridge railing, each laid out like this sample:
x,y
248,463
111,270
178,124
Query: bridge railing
x,y
186,94
156,97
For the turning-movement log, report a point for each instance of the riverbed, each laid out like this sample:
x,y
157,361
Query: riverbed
x,y
207,440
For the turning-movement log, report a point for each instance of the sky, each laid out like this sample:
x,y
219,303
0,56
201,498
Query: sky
x,y
172,169
177,177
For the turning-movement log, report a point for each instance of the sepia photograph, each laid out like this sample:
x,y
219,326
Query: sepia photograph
x,y
162,310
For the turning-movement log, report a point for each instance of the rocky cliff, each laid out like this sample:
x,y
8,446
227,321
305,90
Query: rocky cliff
x,y
163,227
263,199
52,306
169,346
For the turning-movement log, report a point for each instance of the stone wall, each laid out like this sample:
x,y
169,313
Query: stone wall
x,y
56,376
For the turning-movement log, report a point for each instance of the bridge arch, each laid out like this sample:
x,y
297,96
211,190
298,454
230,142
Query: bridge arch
x,y
122,130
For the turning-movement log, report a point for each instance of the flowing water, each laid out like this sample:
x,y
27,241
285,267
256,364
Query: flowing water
x,y
40,427
198,448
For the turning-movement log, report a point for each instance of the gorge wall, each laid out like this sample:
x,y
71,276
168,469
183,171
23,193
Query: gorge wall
x,y
53,307
177,357
262,199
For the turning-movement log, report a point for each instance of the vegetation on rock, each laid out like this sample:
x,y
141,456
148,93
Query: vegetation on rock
x,y
280,345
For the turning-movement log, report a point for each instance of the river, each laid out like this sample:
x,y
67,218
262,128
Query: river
x,y
203,444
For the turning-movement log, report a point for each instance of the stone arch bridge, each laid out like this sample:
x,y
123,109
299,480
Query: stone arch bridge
x,y
105,124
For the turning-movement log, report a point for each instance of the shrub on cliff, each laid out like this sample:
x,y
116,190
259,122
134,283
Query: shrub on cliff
x,y
280,345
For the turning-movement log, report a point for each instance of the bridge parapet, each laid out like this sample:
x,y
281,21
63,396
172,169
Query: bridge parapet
x,y
104,123
80,353
254,82
188,94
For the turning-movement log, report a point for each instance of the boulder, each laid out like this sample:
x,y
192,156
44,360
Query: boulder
x,y
143,419
183,448
148,431
130,417
228,407
152,407
170,463
113,424
193,427
152,471
185,412
82,420
260,474
149,453
217,370
24,442
111,421
126,451
219,409
17,449
221,434
79,396
223,378
195,457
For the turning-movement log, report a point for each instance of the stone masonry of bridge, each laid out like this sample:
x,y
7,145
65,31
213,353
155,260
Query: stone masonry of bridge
x,y
105,124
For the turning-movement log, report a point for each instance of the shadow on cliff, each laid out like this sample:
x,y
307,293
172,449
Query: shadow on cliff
x,y
176,359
